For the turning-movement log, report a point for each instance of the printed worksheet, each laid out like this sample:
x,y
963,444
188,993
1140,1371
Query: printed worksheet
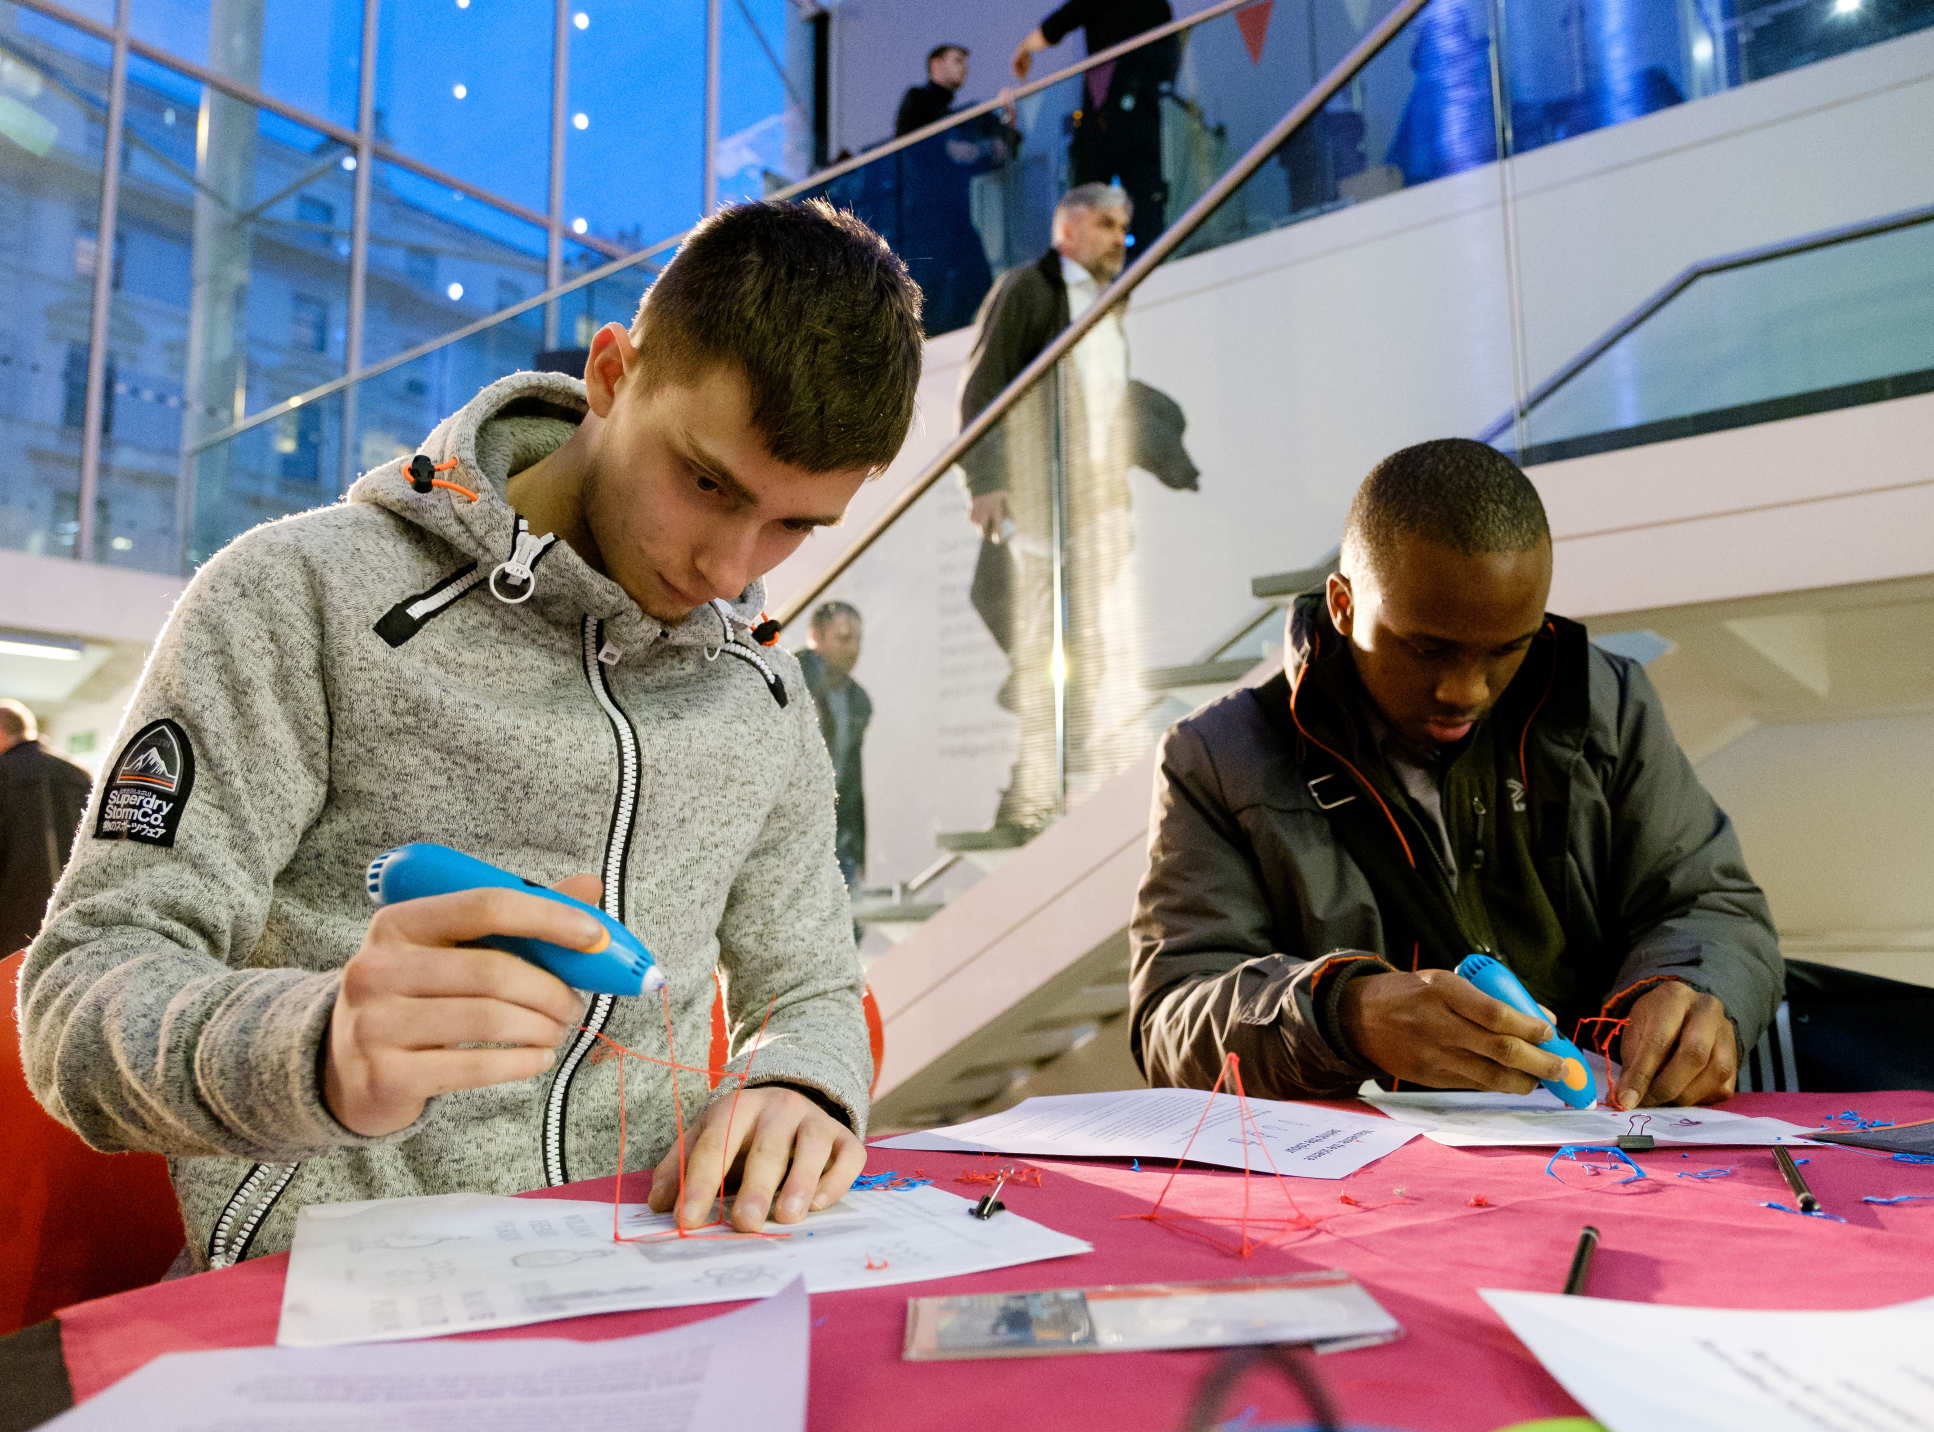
x,y
421,1267
1301,1139
1639,1367
1539,1119
697,1378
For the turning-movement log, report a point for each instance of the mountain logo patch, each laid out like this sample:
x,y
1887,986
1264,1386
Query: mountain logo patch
x,y
148,786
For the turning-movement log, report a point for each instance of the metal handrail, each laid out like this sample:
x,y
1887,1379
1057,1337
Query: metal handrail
x,y
825,176
1115,294
1743,258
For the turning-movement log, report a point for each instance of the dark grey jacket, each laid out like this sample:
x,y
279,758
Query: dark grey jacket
x,y
849,787
1253,914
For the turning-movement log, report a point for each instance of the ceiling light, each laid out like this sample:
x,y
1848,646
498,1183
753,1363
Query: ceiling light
x,y
455,291
581,20
349,163
578,226
1702,50
460,90
121,544
1845,7
46,648
581,120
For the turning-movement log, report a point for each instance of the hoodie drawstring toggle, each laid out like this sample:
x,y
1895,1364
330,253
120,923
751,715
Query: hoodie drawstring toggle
x,y
423,476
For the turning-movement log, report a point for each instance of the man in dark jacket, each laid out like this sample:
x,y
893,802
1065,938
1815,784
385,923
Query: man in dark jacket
x,y
833,650
1065,440
937,237
1442,768
41,801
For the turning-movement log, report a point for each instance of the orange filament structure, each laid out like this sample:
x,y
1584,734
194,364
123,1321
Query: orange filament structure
x,y
1296,1220
1608,1030
678,1110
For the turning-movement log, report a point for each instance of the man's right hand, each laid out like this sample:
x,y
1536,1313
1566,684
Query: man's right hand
x,y
415,994
988,513
1439,1030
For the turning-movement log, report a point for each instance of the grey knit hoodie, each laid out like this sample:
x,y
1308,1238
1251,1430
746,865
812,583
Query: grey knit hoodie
x,y
353,678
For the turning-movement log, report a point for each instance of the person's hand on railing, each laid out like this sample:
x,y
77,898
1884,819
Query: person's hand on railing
x,y
988,513
1025,52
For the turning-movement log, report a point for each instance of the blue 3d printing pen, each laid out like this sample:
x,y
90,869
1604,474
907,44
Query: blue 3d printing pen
x,y
1574,1084
621,965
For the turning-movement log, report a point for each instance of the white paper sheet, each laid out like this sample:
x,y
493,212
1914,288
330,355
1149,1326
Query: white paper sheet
x,y
1302,1139
745,1369
420,1267
1539,1119
1639,1367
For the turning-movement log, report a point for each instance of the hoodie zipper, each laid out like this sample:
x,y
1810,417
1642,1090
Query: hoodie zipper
x,y
617,849
235,1229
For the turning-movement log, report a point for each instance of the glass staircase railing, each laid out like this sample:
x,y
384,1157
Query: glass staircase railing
x,y
1830,320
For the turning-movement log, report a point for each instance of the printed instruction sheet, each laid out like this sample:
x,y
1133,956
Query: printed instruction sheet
x,y
698,1378
1305,1140
1639,1367
421,1267
1539,1119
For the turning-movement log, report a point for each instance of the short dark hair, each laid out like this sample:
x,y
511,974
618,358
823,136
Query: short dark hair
x,y
938,50
813,309
1455,492
826,613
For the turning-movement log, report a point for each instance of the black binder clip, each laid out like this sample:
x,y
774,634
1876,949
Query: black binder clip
x,y
991,1204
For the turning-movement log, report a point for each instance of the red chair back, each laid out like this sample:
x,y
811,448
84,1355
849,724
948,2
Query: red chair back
x,y
79,1224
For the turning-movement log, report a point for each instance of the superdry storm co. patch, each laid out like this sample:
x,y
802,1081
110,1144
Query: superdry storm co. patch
x,y
148,786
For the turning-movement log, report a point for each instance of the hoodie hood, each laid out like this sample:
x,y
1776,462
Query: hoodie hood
x,y
513,423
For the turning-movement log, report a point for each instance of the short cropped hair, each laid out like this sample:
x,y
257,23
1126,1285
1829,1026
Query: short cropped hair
x,y
812,309
1452,491
938,50
17,722
826,613
1094,196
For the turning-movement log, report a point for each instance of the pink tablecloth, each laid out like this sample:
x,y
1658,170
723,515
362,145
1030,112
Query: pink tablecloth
x,y
1428,1227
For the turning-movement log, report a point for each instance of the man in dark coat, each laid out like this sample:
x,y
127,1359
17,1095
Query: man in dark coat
x,y
42,799
937,237
832,651
1442,768
1067,433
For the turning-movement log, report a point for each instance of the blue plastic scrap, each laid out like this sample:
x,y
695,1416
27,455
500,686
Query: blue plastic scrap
x,y
1708,1173
1816,1213
1914,1158
1852,1118
892,1181
1902,1198
1572,1151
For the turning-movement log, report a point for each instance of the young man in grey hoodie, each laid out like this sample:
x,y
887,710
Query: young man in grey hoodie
x,y
532,641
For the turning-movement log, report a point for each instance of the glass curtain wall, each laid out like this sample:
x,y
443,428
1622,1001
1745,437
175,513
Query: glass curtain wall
x,y
297,189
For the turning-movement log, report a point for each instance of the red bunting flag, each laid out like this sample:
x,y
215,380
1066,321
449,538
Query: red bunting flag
x,y
1253,21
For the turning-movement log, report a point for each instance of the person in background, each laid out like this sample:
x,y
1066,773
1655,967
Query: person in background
x,y
42,798
938,240
1443,767
1117,135
1072,423
832,651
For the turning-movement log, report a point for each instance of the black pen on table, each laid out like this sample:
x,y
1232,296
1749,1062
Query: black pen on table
x,y
1790,1171
1581,1261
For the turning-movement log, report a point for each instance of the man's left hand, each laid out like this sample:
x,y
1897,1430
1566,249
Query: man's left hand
x,y
792,1157
1678,1048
